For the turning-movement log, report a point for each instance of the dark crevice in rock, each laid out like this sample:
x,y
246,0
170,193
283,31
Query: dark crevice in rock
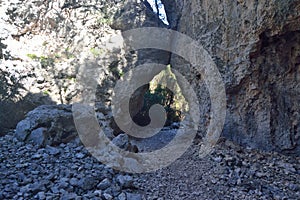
x,y
173,11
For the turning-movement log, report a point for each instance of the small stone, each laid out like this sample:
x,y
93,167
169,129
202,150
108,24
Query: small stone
x,y
52,150
36,156
24,189
87,183
122,196
294,187
277,197
287,167
89,195
125,181
121,141
79,155
115,190
55,190
133,196
214,181
104,184
35,172
259,174
79,148
68,196
97,193
107,196
19,166
74,181
63,184
62,145
50,177
37,187
218,159
41,195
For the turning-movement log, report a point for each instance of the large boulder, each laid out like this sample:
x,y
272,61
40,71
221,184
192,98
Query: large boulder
x,y
47,125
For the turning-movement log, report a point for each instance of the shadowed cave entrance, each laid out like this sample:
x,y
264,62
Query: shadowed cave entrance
x,y
153,93
173,102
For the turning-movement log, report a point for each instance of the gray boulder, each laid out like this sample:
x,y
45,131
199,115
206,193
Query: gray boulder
x,y
47,125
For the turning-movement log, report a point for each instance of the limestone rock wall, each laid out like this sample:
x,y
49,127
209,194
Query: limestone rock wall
x,y
44,44
255,45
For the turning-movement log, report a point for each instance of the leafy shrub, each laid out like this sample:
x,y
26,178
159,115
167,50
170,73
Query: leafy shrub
x,y
164,97
44,60
32,56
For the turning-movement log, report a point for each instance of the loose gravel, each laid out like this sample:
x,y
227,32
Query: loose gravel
x,y
68,171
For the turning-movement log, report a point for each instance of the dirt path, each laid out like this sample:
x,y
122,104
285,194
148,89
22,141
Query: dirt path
x,y
230,172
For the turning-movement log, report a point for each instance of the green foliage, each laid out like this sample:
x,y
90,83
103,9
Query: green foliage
x,y
161,96
158,93
96,52
104,20
121,73
46,92
73,79
68,53
32,56
57,56
164,97
44,60
45,43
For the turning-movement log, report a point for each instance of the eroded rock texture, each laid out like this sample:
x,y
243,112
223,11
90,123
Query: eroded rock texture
x,y
47,125
45,45
255,45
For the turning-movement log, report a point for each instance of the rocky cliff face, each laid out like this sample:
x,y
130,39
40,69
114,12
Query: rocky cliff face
x,y
44,45
255,45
